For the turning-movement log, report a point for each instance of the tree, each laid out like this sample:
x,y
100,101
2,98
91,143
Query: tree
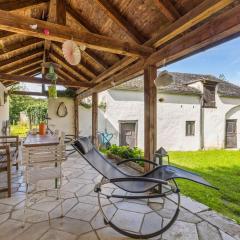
x,y
36,109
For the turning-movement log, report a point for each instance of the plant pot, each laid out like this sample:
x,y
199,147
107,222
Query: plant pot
x,y
42,129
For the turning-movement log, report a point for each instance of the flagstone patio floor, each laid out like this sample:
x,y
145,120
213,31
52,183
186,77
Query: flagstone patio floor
x,y
83,220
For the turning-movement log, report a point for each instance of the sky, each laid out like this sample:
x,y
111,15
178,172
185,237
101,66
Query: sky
x,y
222,59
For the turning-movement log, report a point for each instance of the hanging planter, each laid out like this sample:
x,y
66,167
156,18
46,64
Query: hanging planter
x,y
51,75
52,91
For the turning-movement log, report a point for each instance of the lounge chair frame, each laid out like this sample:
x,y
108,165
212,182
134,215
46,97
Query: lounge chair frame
x,y
151,184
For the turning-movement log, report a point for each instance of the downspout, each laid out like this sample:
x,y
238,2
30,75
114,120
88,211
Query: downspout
x,y
201,123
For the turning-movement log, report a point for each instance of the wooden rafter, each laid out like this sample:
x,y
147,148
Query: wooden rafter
x,y
29,79
195,16
20,45
168,10
203,37
80,68
27,70
61,12
17,4
20,24
121,21
68,68
36,63
23,65
14,61
89,28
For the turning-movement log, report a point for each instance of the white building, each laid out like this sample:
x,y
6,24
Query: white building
x,y
4,109
194,112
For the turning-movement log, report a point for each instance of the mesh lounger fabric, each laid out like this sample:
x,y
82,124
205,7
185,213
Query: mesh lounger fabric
x,y
111,171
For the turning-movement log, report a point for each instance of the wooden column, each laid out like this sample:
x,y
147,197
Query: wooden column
x,y
150,113
76,119
94,117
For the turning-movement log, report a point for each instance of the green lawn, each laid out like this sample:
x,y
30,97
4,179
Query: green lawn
x,y
222,169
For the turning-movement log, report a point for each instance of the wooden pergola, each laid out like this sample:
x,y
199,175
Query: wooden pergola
x,y
124,38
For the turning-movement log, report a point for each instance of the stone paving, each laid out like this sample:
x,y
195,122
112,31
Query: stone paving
x,y
83,220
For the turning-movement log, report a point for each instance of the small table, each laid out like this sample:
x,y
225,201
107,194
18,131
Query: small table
x,y
36,140
40,140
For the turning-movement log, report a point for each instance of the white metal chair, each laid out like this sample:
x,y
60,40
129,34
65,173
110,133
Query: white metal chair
x,y
43,163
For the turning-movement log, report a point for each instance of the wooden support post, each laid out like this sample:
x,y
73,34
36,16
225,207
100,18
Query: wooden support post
x,y
94,118
76,119
150,113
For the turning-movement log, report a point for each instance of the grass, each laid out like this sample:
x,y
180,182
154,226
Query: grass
x,y
222,169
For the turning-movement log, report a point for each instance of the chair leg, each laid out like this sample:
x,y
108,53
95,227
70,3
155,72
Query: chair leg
x,y
25,207
9,178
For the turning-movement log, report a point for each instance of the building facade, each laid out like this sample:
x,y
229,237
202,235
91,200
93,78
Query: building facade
x,y
193,112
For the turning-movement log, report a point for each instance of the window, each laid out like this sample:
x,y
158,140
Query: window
x,y
190,128
209,95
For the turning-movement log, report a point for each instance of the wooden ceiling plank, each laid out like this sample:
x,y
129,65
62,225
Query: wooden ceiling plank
x,y
207,35
80,67
29,79
19,45
221,27
20,58
28,70
90,54
190,19
121,21
89,28
198,14
20,24
168,10
22,65
17,4
61,12
74,72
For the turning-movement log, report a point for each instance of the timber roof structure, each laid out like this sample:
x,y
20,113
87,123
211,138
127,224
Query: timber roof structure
x,y
182,85
121,37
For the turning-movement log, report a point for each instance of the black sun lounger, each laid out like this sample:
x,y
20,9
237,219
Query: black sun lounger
x,y
160,175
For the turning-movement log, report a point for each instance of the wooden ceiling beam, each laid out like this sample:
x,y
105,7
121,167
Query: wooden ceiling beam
x,y
19,45
168,10
121,21
89,28
20,58
195,16
74,73
27,70
22,65
19,24
17,4
223,27
204,10
219,28
61,12
29,79
36,63
80,67
84,24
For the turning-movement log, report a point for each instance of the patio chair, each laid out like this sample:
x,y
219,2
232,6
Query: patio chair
x,y
139,186
13,143
5,166
43,163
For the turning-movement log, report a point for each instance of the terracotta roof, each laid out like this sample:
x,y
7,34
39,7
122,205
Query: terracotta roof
x,y
180,85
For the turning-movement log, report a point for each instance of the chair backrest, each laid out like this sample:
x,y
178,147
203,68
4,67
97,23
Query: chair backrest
x,y
96,159
43,155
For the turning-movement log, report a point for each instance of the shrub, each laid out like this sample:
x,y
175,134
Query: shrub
x,y
125,152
